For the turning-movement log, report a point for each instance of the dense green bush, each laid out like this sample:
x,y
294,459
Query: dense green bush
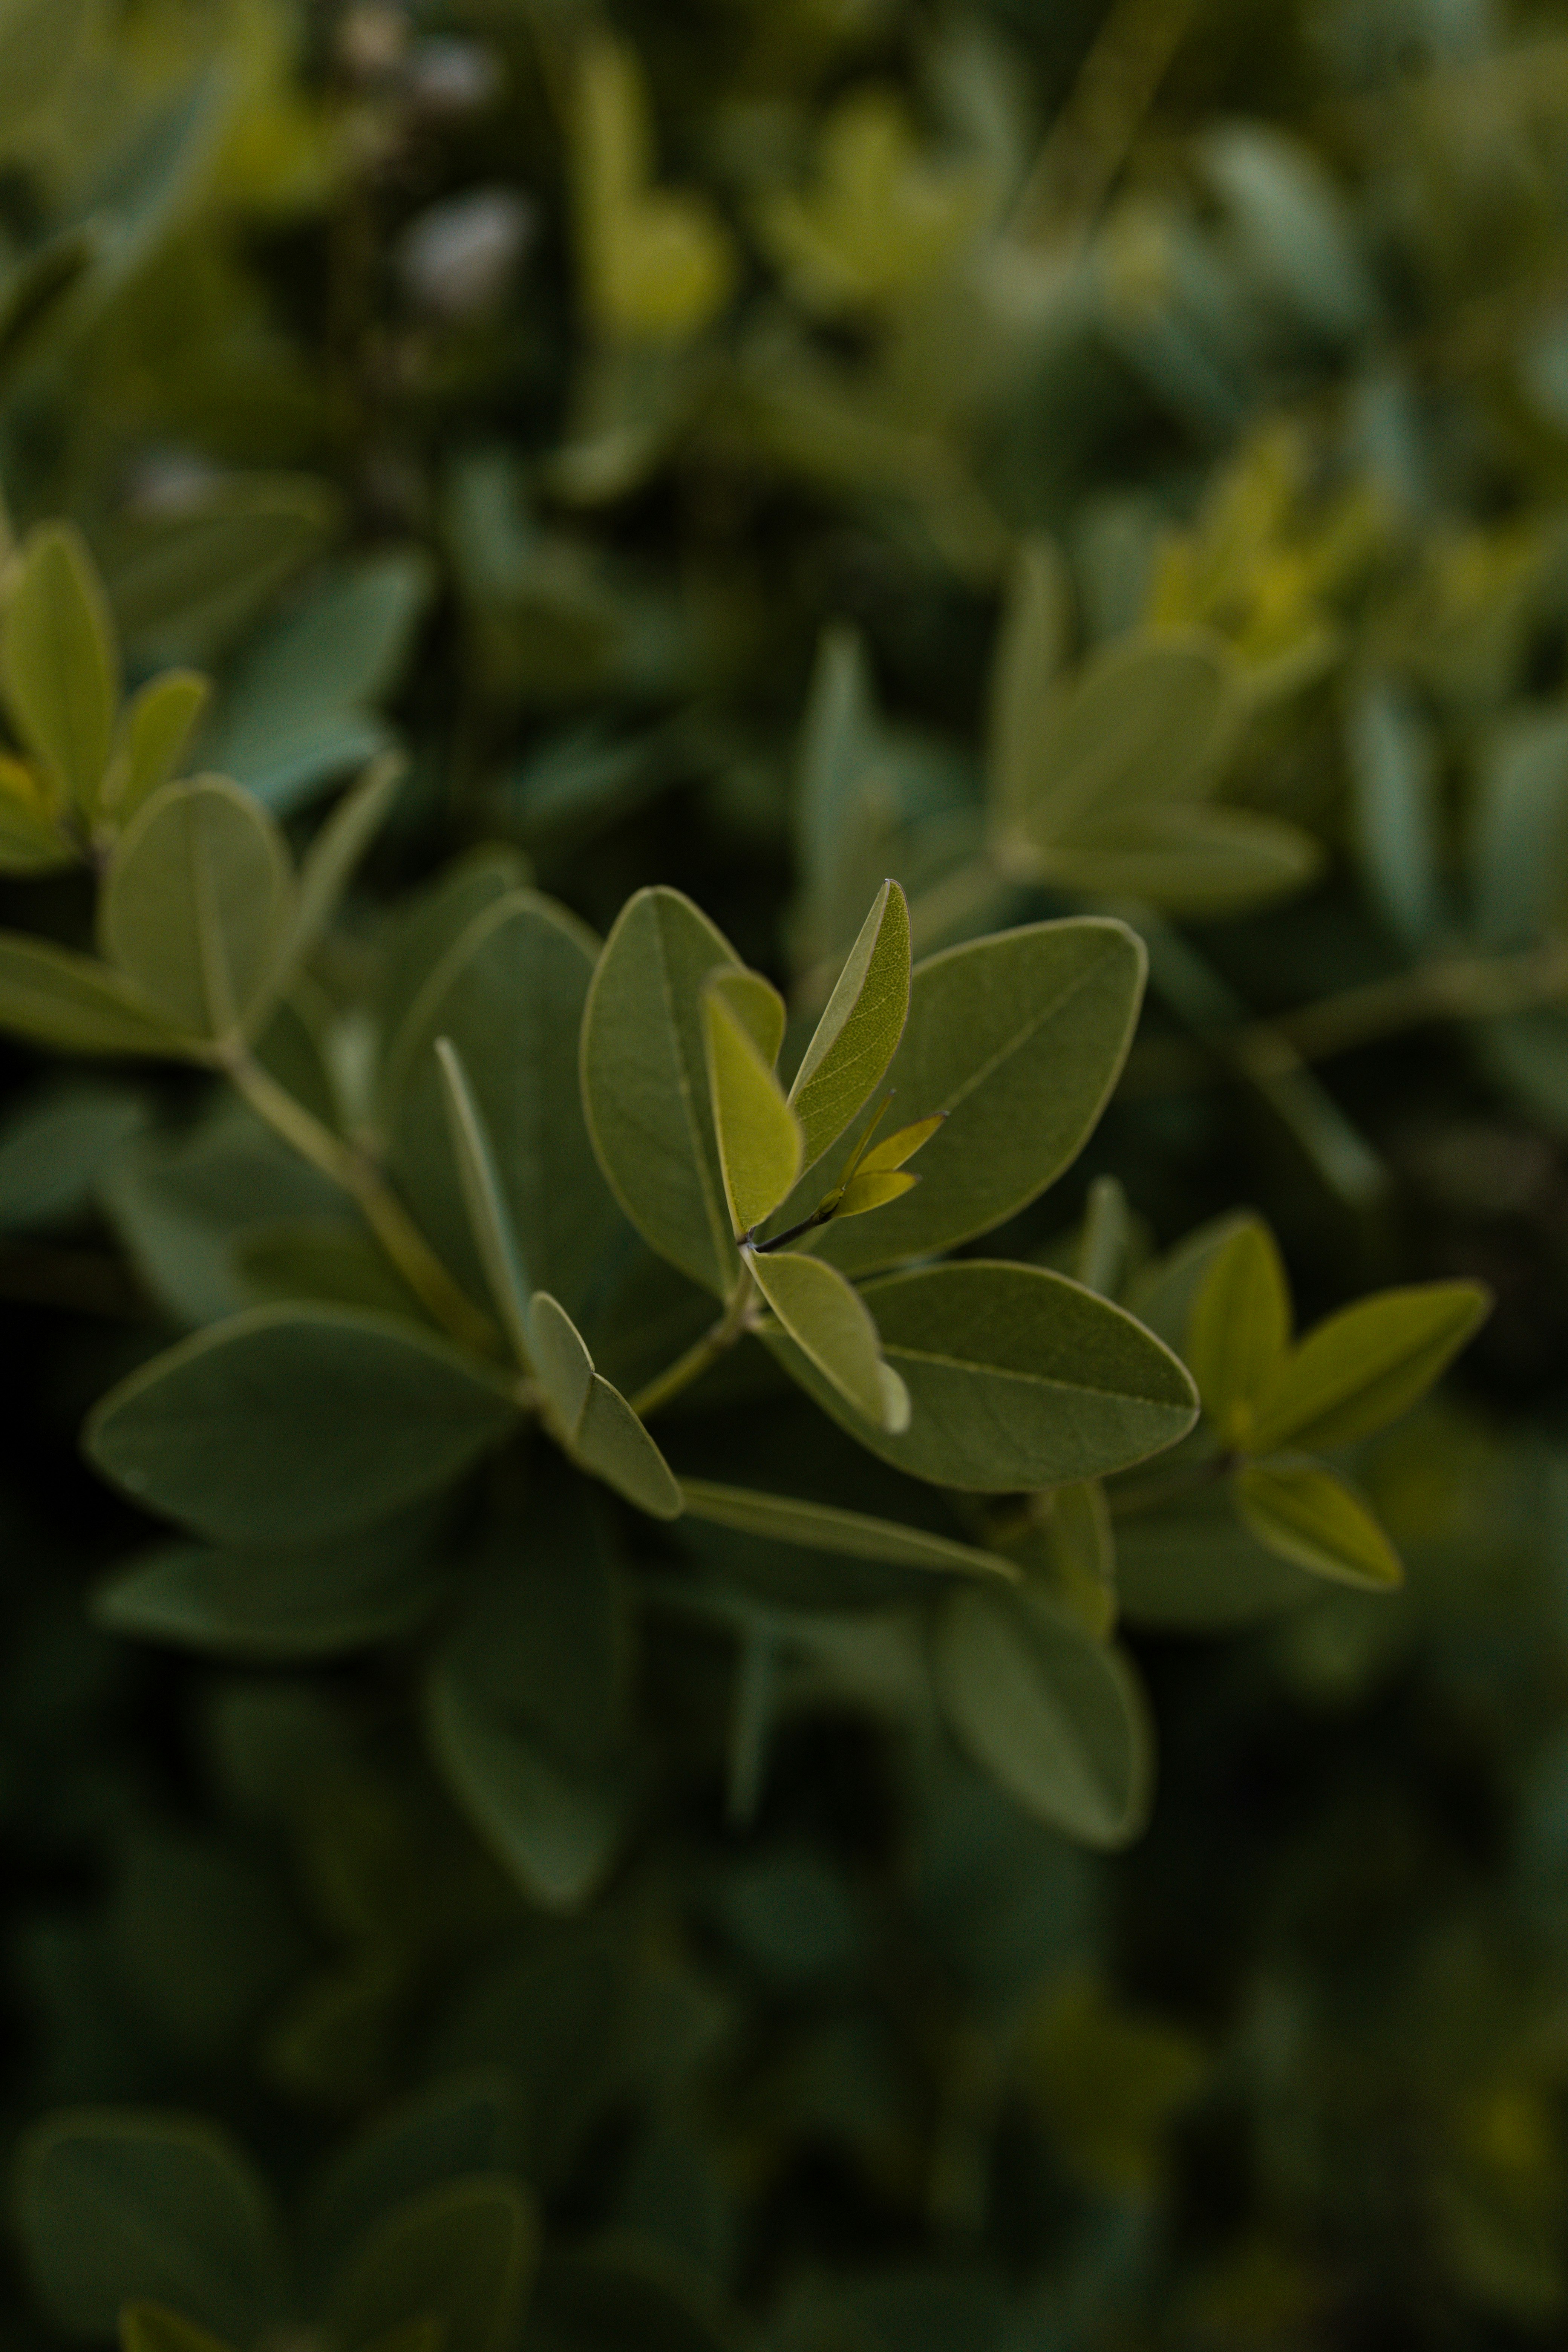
x,y
747,750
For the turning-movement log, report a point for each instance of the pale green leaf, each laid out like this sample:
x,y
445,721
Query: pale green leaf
x,y
823,1526
1019,1040
58,665
1302,1512
1192,861
68,1000
645,1083
1057,1717
494,1238
560,1357
114,2206
831,1326
287,1423
464,2254
1149,721
1240,1329
198,905
509,993
1365,1366
154,730
859,1030
1017,1378
611,1441
759,1143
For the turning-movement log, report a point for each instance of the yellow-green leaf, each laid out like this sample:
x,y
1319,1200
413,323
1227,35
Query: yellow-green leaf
x,y
154,730
62,999
1366,1365
869,1190
823,1526
901,1146
1302,1512
831,1325
58,665
860,1031
31,841
1240,1329
760,1145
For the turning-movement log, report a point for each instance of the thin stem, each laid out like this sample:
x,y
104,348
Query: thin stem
x,y
707,1350
358,1176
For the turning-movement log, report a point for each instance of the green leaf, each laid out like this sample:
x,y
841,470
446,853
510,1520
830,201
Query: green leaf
x,y
528,1703
55,1147
464,2254
492,1230
1193,861
462,2124
1196,1568
71,1002
299,712
842,805
149,2328
760,1144
186,578
324,1258
58,668
1149,721
1305,1514
1240,1329
644,1082
343,840
1081,1548
613,2296
1017,1378
198,905
508,994
280,1600
116,2207
560,1357
286,1424
1026,672
31,838
859,1033
823,1526
866,1192
437,921
154,730
38,44
1057,1718
597,1425
1365,1366
832,1327
1019,1039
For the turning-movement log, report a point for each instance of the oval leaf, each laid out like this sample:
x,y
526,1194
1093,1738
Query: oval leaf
x,y
644,1082
1366,1365
198,905
116,2207
1240,1329
158,722
288,1423
487,1219
1303,1513
70,1001
832,1327
463,2253
283,1600
1018,1378
1057,1718
58,668
1019,1039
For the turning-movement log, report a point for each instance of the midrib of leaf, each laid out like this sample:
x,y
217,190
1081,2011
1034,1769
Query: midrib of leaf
x,y
968,1366
1005,1051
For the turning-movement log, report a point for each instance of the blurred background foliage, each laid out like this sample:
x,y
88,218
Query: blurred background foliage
x,y
656,421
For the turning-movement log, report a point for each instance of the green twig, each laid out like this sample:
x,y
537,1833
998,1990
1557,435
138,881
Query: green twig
x,y
705,1351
